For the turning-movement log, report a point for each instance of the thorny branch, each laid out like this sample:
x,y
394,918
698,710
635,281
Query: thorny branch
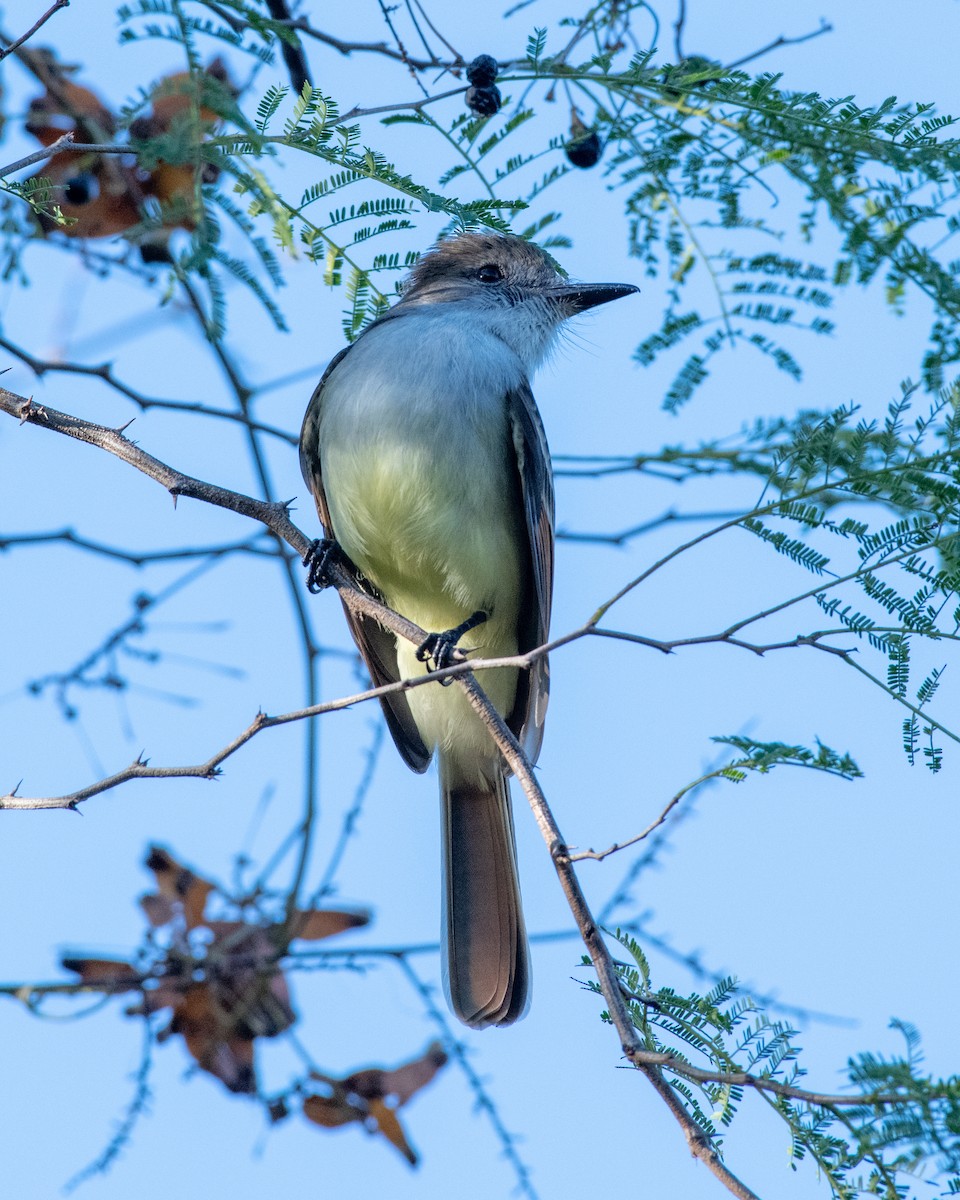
x,y
104,371
275,516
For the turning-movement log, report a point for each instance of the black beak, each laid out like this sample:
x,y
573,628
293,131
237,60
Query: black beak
x,y
578,297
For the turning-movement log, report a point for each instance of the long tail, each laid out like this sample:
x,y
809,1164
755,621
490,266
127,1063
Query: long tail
x,y
486,961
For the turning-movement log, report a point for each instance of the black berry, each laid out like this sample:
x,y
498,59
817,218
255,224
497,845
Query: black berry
x,y
482,71
484,101
584,151
81,189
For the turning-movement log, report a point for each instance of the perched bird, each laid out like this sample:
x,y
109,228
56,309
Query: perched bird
x,y
424,451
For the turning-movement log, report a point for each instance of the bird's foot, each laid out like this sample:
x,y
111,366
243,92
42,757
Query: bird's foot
x,y
321,555
439,650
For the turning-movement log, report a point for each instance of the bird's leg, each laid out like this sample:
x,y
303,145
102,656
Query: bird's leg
x,y
323,552
439,650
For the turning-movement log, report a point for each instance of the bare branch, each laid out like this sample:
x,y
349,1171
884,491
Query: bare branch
x,y
135,1109
346,48
137,558
825,27
63,144
430,25
697,1141
273,515
104,371
484,1101
678,30
54,8
416,105
669,517
600,855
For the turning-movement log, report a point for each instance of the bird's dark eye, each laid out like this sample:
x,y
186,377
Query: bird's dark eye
x,y
489,273
81,189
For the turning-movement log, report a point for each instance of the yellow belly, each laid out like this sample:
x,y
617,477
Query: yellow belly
x,y
439,544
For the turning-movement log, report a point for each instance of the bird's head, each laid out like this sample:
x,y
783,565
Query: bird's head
x,y
510,284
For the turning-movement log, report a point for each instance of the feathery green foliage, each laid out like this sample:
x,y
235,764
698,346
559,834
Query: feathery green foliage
x,y
875,1137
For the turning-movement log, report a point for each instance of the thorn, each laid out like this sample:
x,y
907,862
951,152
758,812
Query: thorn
x,y
121,430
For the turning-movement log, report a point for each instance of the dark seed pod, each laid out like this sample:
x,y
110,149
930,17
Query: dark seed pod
x,y
484,101
81,189
482,71
583,148
155,252
584,151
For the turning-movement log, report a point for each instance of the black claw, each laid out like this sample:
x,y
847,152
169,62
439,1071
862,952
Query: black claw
x,y
318,559
439,650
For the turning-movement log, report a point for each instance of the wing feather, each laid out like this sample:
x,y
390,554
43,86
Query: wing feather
x,y
536,489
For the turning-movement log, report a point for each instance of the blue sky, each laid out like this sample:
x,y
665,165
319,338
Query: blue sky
x,y
830,894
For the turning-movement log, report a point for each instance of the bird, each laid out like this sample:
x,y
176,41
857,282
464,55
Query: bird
x,y
426,456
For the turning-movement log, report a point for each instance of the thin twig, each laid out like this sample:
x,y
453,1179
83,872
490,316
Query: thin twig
x,y
404,57
698,1142
349,823
635,531
825,27
484,1101
135,1110
415,105
63,144
54,8
600,855
104,371
346,48
678,30
458,57
137,558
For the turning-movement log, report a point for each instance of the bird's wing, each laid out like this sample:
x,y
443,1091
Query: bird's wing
x,y
536,488
376,645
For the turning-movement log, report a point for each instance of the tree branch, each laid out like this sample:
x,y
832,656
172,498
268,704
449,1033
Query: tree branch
x,y
275,516
15,45
136,558
782,40
104,371
63,144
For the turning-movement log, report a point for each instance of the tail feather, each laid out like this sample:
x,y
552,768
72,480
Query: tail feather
x,y
486,961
